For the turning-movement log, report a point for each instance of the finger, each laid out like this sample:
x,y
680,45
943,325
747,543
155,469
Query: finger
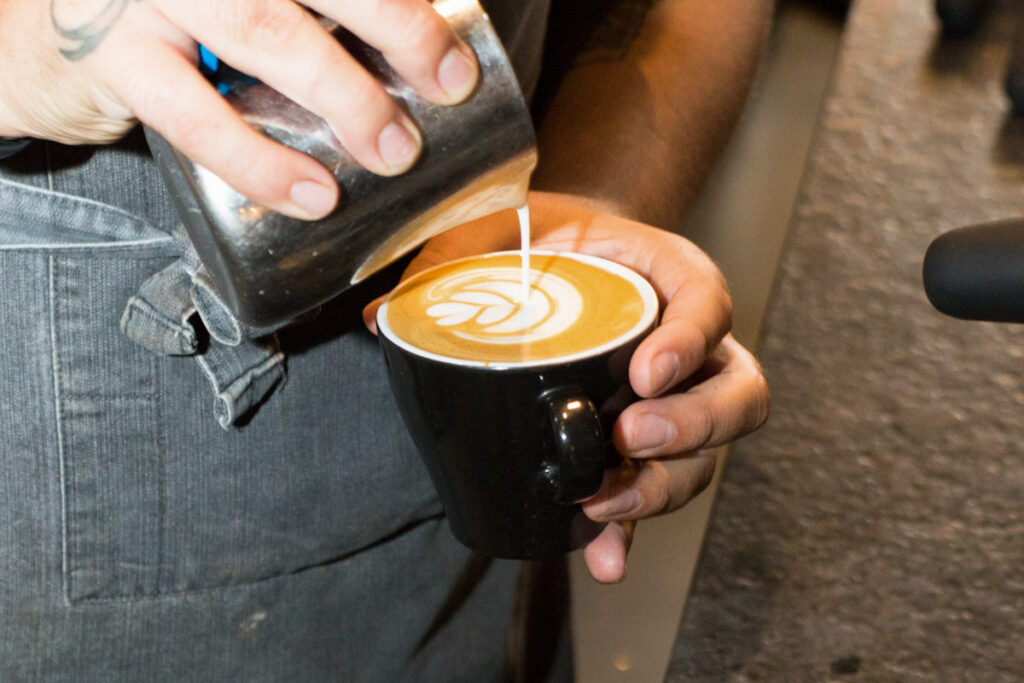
x,y
416,41
370,314
698,311
280,43
165,91
696,319
733,402
605,556
652,488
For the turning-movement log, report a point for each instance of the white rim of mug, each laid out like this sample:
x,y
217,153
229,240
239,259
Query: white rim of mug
x,y
646,290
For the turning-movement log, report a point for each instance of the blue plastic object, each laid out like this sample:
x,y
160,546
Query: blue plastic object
x,y
222,76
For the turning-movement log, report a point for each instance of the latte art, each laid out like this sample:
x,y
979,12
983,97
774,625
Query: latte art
x,y
484,305
473,309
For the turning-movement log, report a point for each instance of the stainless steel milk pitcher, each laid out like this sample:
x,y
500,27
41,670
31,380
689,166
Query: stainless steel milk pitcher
x,y
477,159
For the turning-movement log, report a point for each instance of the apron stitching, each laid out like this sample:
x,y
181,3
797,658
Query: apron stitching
x,y
155,241
75,200
60,433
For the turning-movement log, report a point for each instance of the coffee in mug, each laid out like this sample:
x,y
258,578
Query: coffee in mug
x,y
471,310
508,396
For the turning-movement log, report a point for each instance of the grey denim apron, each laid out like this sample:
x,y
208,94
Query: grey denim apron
x,y
140,540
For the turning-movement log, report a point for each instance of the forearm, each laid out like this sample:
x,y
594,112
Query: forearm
x,y
641,115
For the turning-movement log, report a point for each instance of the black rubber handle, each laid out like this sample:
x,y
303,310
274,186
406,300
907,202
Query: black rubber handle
x,y
579,446
977,272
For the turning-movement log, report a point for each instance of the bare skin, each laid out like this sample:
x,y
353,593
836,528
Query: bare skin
x,y
86,71
700,387
626,143
660,93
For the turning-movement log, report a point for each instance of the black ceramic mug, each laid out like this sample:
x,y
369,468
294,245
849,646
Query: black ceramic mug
x,y
509,404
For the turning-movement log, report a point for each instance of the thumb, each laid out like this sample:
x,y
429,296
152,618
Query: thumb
x,y
370,313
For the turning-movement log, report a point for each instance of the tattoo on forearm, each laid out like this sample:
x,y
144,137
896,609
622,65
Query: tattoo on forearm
x,y
616,33
82,24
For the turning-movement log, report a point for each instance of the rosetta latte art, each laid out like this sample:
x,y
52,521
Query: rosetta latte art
x,y
484,306
477,309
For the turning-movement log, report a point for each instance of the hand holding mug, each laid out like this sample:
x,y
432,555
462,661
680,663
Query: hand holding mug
x,y
699,387
84,72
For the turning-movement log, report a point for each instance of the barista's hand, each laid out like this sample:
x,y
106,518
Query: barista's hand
x,y
83,71
699,387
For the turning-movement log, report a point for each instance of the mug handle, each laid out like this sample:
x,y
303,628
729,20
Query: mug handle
x,y
578,467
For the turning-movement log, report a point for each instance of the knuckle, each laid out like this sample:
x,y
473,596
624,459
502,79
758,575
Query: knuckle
x,y
251,175
719,278
717,288
705,474
720,308
189,130
143,95
694,345
702,425
367,96
692,479
659,499
366,112
185,127
423,30
357,98
318,84
267,22
710,270
725,312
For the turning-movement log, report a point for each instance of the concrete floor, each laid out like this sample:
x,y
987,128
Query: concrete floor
x,y
624,633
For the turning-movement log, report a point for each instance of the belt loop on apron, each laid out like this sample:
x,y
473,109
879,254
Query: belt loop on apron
x,y
243,364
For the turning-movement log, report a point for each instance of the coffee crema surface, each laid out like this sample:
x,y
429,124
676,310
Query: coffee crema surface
x,y
472,309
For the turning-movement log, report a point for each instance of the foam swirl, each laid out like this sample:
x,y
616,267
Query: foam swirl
x,y
483,305
474,310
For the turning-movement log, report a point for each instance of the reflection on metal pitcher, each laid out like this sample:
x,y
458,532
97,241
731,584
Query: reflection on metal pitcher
x,y
477,159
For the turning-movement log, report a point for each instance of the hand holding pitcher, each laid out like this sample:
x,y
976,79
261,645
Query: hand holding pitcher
x,y
104,65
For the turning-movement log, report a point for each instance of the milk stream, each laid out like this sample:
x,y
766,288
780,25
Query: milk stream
x,y
524,250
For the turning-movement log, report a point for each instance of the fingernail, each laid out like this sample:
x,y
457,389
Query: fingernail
x,y
651,431
664,369
315,199
398,146
622,503
456,74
